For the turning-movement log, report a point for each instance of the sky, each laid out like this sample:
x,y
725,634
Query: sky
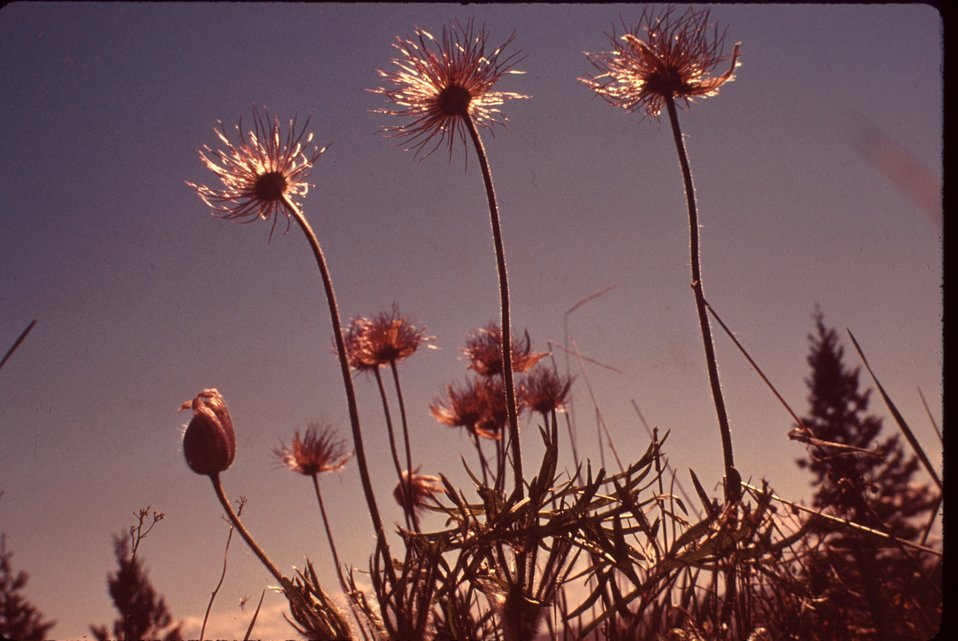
x,y
818,172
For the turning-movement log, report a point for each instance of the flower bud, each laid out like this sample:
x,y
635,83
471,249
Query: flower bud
x,y
209,442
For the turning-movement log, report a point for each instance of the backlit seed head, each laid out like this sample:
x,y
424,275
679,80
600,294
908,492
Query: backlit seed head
x,y
263,170
422,487
380,341
270,186
438,83
663,57
319,450
544,391
454,101
484,351
479,406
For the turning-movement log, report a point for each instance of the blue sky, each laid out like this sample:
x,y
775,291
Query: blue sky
x,y
816,170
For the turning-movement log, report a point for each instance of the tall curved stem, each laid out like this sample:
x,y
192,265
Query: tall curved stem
x,y
505,323
383,546
250,541
732,486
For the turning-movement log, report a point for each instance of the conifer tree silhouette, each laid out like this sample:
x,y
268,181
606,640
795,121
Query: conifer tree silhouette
x,y
19,619
143,613
864,587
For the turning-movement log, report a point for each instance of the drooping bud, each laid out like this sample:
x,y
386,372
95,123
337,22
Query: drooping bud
x,y
209,442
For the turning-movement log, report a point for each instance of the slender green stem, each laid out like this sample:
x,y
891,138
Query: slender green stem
x,y
332,547
391,433
382,545
402,416
482,459
500,463
505,325
732,488
660,499
405,438
250,541
329,535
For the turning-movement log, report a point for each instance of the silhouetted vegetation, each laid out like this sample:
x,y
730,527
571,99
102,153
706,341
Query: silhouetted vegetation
x,y
613,553
19,618
143,614
861,585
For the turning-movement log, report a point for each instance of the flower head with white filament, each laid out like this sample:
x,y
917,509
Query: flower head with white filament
x,y
663,56
263,171
437,84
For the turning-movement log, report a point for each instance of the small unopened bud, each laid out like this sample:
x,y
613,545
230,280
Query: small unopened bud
x,y
209,443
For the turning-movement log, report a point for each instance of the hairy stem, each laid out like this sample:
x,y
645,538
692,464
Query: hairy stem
x,y
732,488
382,545
505,324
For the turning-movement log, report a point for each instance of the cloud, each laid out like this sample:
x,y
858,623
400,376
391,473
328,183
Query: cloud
x,y
231,622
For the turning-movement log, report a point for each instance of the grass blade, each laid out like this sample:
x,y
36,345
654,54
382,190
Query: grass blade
x,y
899,419
252,622
17,342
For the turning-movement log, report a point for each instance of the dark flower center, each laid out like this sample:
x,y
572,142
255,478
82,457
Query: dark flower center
x,y
454,101
270,186
388,353
665,81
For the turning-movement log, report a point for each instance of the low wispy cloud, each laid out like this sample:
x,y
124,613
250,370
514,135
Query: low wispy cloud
x,y
229,621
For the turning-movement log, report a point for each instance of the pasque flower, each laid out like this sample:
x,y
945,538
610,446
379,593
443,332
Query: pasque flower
x,y
484,351
544,391
663,56
318,450
384,339
421,487
437,84
446,91
263,171
479,406
209,443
